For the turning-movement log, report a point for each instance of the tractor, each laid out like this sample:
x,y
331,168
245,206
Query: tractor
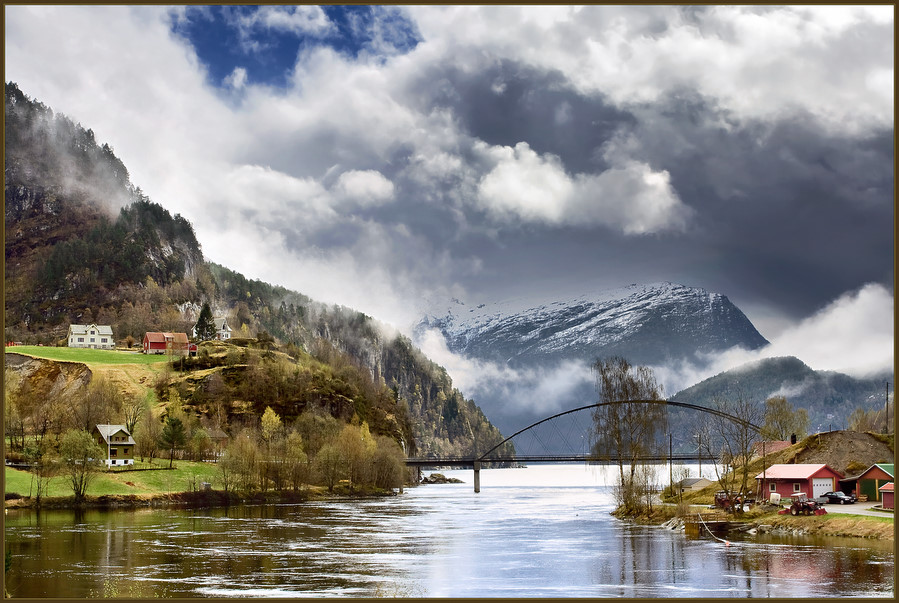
x,y
800,504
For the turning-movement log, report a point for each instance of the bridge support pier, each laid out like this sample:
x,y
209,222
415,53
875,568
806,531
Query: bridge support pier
x,y
477,476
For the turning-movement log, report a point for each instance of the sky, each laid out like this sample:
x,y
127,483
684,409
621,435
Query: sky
x,y
390,158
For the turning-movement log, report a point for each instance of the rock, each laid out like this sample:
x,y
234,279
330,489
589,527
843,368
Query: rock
x,y
439,478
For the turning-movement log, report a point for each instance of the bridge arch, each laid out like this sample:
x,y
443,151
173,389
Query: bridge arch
x,y
713,411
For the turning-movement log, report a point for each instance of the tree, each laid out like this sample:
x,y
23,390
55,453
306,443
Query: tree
x,y
133,409
80,456
205,324
626,431
39,455
173,436
732,441
97,405
147,433
782,421
329,465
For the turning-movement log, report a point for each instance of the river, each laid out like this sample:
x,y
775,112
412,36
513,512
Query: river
x,y
544,531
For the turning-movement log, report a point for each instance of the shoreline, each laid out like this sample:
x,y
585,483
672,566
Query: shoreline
x,y
187,500
770,522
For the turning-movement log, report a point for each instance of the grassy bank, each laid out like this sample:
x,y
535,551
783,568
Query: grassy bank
x,y
161,480
834,524
88,356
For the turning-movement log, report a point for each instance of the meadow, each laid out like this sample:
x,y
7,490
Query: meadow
x,y
185,476
88,356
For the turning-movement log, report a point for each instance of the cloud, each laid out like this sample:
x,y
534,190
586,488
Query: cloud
x,y
237,79
853,334
743,57
533,188
305,20
364,188
515,392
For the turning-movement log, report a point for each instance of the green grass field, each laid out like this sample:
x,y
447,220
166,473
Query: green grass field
x,y
145,482
88,356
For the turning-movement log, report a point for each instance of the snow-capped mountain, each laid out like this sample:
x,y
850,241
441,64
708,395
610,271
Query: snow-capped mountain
x,y
647,324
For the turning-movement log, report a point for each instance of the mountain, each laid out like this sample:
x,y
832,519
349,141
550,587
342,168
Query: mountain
x,y
829,397
648,324
84,245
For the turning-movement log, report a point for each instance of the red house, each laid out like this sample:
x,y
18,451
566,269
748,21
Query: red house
x,y
166,343
785,480
886,495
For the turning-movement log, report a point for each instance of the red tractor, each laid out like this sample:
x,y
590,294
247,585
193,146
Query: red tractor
x,y
800,504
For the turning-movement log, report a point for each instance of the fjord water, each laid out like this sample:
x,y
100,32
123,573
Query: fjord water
x,y
544,531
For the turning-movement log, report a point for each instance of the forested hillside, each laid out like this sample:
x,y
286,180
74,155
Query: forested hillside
x,y
84,245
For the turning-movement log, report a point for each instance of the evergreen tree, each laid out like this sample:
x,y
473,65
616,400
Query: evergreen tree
x,y
205,324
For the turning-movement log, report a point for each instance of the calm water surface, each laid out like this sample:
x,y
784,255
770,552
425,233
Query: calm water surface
x,y
544,531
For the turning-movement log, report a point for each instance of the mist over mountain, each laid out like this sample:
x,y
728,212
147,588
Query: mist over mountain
x,y
829,396
84,245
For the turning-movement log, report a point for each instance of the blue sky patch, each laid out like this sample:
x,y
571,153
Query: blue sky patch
x,y
264,41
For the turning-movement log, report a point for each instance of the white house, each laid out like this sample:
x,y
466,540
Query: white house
x,y
91,336
222,330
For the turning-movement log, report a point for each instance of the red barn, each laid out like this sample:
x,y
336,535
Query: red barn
x,y
785,480
166,343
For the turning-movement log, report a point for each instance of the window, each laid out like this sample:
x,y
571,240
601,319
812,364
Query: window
x,y
773,487
93,340
81,340
113,452
93,333
102,340
796,486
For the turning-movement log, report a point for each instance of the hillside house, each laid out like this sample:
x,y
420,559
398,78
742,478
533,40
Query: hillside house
x,y
813,479
117,442
869,482
693,484
222,330
98,337
886,496
175,344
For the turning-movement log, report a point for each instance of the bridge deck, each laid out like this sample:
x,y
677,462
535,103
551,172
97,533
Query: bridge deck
x,y
468,462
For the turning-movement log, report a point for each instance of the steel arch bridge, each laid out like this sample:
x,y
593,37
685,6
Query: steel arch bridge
x,y
491,455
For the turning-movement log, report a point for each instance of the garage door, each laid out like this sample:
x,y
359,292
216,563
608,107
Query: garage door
x,y
820,485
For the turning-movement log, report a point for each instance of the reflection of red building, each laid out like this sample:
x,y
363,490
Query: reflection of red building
x,y
166,343
786,480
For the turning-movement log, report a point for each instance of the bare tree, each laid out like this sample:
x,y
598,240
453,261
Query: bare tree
x,y
627,431
783,421
731,438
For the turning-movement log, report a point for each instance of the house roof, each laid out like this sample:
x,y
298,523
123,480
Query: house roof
x,y
692,481
108,431
221,324
793,471
157,337
886,487
886,468
83,329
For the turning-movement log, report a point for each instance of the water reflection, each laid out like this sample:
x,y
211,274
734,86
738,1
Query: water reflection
x,y
527,534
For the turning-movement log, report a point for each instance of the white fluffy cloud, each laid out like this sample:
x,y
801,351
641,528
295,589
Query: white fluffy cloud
x,y
835,63
364,187
853,335
629,196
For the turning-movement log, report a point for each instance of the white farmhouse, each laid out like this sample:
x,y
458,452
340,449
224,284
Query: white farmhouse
x,y
97,337
222,330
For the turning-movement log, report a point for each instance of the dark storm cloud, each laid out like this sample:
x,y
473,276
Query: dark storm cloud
x,y
793,214
508,102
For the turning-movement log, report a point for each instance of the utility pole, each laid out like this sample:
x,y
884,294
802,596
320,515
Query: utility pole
x,y
886,409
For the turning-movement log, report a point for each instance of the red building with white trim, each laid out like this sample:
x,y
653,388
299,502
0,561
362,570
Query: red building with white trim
x,y
786,480
175,344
